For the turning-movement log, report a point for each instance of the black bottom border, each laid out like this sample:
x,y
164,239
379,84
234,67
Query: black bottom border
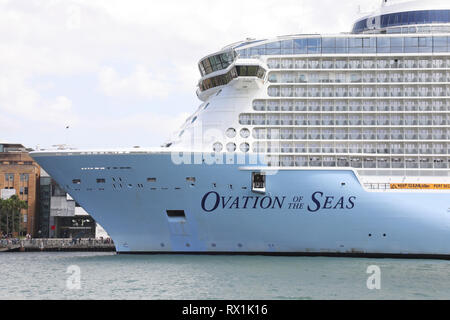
x,y
229,309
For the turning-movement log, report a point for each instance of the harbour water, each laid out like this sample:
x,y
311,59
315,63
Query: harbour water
x,y
111,276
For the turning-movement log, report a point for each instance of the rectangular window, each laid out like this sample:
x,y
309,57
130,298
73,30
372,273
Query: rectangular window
x,y
355,42
314,45
355,45
287,44
411,42
396,42
76,181
329,42
176,214
384,21
151,179
370,45
24,177
273,45
101,181
383,45
300,46
341,45
440,44
273,52
397,45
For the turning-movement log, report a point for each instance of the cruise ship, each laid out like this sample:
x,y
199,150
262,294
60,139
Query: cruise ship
x,y
320,145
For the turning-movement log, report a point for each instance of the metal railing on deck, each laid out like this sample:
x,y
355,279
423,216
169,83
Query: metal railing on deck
x,y
377,186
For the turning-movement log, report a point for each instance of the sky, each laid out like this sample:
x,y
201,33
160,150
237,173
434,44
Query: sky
x,y
123,73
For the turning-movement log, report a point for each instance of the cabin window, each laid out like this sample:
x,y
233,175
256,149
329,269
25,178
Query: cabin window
x,y
231,133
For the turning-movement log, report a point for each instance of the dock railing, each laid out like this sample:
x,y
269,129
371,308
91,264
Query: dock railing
x,y
58,244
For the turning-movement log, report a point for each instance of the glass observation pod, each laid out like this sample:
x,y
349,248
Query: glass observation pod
x,y
217,62
244,69
235,72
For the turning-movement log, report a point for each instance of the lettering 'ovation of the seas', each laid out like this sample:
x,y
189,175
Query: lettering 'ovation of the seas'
x,y
321,145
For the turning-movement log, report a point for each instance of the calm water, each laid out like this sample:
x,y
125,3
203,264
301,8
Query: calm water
x,y
110,276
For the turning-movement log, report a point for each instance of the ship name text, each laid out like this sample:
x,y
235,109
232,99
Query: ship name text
x,y
318,201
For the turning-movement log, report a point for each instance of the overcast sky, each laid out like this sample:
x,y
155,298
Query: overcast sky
x,y
123,73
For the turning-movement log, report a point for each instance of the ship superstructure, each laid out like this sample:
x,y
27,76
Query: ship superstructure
x,y
376,100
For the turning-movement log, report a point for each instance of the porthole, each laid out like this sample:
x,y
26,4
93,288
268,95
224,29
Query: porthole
x,y
245,147
217,147
231,133
245,133
231,147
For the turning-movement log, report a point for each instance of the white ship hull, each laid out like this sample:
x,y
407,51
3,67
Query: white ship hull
x,y
324,212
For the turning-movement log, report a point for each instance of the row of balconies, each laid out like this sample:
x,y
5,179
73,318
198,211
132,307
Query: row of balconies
x,y
344,120
369,105
326,63
352,122
370,163
357,92
367,77
351,150
359,108
351,137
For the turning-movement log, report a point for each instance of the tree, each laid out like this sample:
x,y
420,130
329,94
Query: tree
x,y
11,208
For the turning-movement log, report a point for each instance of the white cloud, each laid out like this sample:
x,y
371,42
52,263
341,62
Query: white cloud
x,y
20,100
151,123
140,83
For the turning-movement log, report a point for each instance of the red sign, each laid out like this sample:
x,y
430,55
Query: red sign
x,y
53,227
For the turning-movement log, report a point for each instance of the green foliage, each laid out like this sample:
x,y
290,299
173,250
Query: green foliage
x,y
10,216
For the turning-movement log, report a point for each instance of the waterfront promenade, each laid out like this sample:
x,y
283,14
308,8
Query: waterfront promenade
x,y
46,245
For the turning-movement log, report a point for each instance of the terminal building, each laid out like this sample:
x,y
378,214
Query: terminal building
x,y
61,217
19,175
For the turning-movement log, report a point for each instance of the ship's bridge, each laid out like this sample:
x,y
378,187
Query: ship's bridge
x,y
244,73
407,17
